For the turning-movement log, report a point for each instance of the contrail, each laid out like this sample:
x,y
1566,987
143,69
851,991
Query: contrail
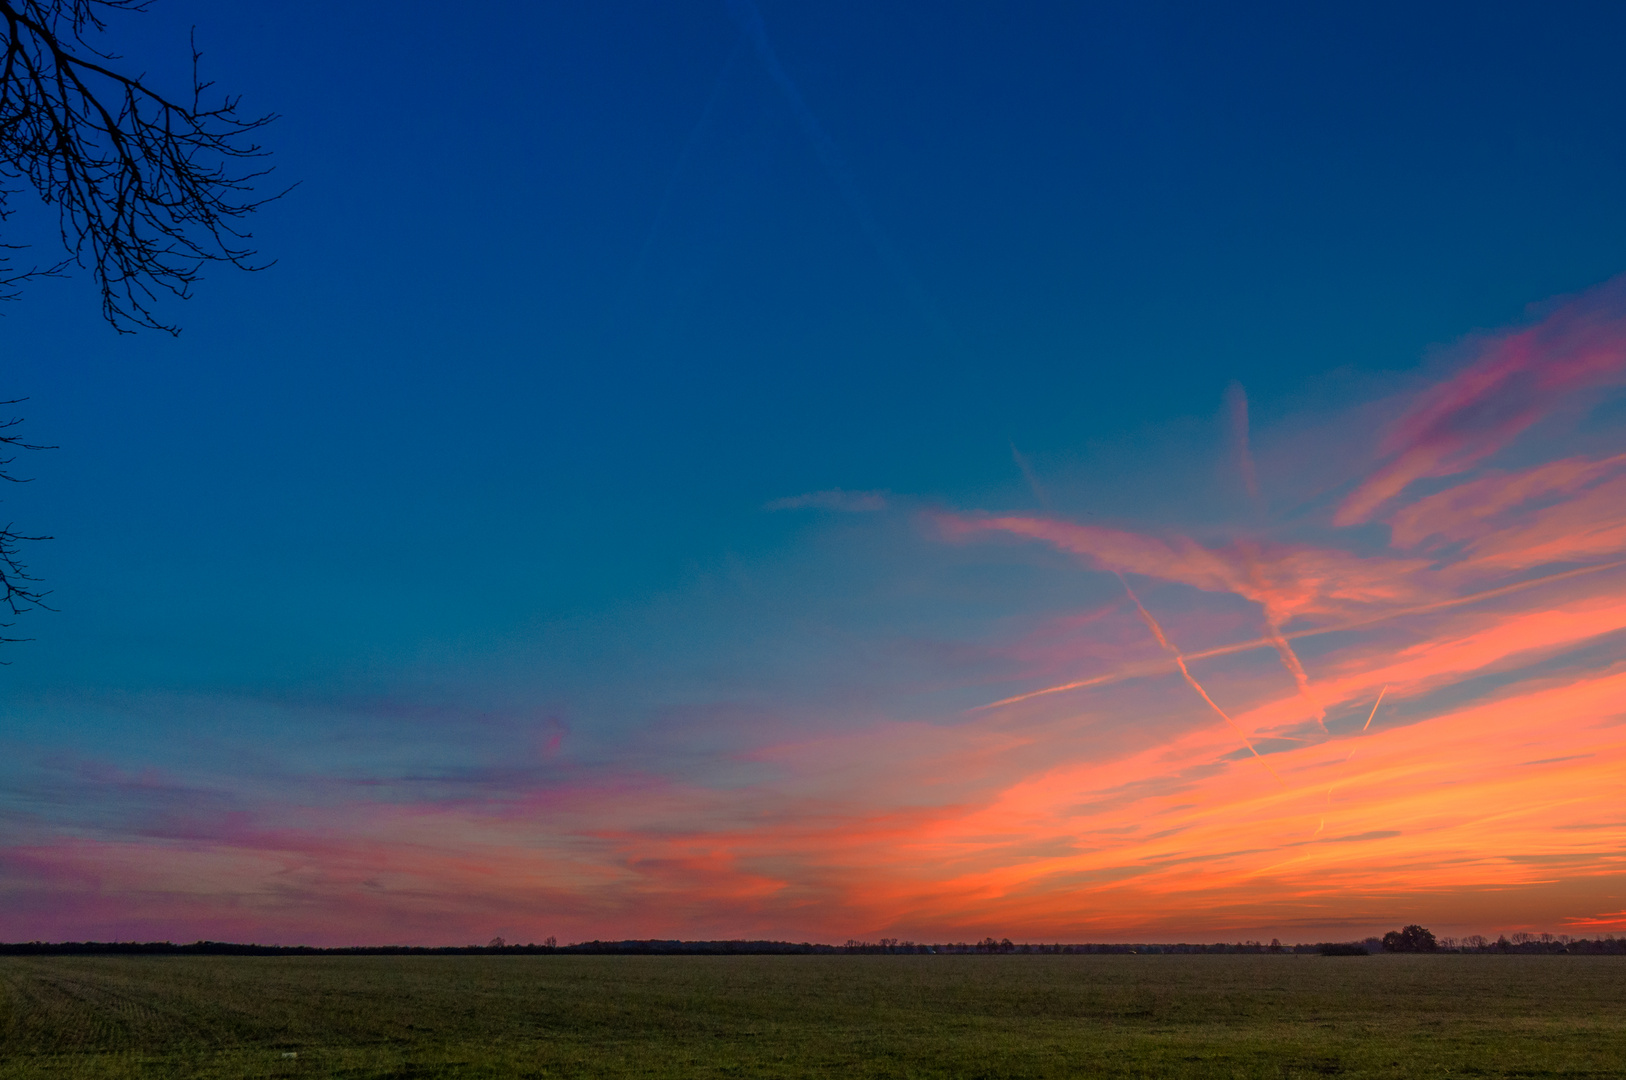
x,y
1438,605
1180,661
682,162
835,166
1374,711
1138,670
1028,474
1290,661
1289,658
1236,399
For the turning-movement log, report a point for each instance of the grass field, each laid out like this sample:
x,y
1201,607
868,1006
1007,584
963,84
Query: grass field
x,y
849,1016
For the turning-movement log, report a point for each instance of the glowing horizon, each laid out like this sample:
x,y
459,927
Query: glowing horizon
x,y
1449,751
763,470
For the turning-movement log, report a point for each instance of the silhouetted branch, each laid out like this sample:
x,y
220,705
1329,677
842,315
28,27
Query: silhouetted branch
x,y
18,588
149,189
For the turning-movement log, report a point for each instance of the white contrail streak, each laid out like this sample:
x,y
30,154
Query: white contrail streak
x,y
1374,711
1138,670
835,166
1180,662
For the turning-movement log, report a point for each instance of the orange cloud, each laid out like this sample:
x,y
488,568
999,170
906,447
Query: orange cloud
x,y
1487,796
1177,838
1483,791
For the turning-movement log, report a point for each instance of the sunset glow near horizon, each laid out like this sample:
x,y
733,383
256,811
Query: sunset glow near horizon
x,y
1203,671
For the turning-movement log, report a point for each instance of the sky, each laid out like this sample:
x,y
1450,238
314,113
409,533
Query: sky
x,y
1086,472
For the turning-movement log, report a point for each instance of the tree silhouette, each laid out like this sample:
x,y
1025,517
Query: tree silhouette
x,y
1412,938
148,188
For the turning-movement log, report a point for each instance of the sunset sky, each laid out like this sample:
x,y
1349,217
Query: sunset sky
x,y
1067,472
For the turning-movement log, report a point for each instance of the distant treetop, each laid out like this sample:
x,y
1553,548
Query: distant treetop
x,y
1412,938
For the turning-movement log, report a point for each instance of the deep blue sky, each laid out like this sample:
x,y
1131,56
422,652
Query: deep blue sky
x,y
568,292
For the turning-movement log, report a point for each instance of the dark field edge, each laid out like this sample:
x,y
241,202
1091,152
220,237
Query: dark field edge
x,y
1561,945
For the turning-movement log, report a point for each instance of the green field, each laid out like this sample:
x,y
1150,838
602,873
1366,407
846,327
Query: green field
x,y
863,1016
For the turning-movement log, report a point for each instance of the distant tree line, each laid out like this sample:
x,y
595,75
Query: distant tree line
x,y
1522,942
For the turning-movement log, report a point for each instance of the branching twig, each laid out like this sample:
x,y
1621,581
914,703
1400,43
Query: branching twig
x,y
149,190
19,590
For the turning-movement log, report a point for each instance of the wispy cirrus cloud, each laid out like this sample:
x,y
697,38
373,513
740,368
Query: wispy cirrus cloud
x,y
1442,708
1468,511
1286,580
1512,381
1564,511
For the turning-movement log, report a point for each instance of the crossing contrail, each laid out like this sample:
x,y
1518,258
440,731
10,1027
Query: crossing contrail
x,y
1180,662
1290,661
1137,670
1289,658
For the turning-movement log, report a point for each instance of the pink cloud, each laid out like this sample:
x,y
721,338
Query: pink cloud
x,y
1468,511
1515,379
851,837
1564,511
1125,806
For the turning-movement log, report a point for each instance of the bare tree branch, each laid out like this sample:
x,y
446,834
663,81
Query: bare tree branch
x,y
149,190
19,590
